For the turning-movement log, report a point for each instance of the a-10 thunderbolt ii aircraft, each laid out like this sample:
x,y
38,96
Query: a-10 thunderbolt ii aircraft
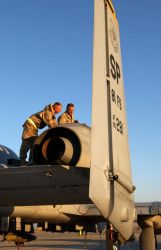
x,y
16,222
74,164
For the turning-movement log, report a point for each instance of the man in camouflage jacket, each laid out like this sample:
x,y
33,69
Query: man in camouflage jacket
x,y
68,115
37,121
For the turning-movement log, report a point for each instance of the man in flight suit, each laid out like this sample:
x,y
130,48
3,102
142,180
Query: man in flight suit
x,y
37,121
68,115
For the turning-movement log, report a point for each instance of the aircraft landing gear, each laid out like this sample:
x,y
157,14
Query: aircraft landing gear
x,y
110,239
85,240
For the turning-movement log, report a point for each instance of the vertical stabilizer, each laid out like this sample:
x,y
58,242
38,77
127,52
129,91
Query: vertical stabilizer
x,y
111,187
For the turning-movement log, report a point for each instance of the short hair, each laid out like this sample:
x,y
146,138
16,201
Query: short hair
x,y
57,104
70,105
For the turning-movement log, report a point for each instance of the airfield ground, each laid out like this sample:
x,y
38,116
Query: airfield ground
x,y
70,241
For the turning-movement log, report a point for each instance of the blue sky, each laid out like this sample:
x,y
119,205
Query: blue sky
x,y
46,56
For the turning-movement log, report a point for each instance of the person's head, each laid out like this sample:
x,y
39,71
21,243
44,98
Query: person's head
x,y
70,108
57,106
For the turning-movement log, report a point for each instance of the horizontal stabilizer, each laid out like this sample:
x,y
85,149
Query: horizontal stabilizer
x,y
36,185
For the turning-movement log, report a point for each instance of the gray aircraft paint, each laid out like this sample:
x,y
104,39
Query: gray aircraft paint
x,y
111,187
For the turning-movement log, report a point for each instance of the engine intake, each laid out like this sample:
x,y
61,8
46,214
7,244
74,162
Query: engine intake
x,y
67,144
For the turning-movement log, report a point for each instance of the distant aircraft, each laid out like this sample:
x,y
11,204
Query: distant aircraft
x,y
149,219
7,156
74,164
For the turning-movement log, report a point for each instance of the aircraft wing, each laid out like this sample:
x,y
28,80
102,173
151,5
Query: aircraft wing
x,y
44,184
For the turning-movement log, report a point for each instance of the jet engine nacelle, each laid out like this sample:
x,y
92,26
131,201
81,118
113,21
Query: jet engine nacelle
x,y
67,144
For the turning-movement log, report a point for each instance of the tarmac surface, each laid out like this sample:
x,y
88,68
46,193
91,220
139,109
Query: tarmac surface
x,y
70,241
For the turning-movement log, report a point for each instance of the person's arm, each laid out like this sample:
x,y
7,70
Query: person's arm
x,y
49,119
